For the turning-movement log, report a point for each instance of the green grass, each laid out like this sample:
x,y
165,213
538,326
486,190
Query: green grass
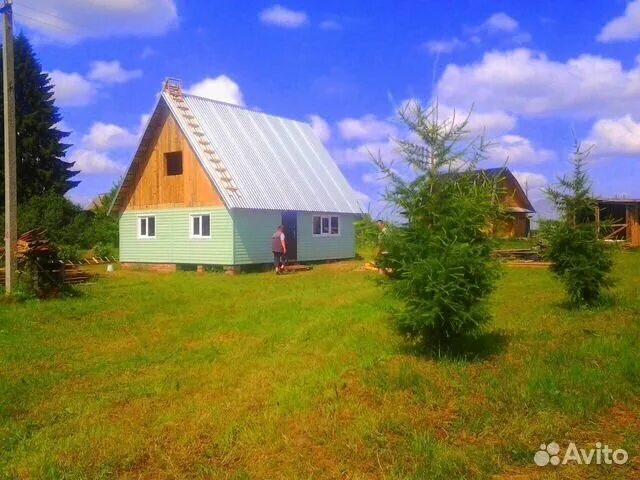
x,y
516,243
303,376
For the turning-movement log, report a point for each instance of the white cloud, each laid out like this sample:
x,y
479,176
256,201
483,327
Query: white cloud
x,y
283,17
220,88
623,28
619,136
446,45
367,128
530,180
485,123
70,21
363,199
320,128
377,177
515,149
363,153
532,184
107,136
91,162
111,72
71,89
500,22
525,82
330,25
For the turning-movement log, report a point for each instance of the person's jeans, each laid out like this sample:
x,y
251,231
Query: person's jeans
x,y
277,259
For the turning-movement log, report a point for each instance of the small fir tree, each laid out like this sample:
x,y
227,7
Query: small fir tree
x,y
438,259
581,261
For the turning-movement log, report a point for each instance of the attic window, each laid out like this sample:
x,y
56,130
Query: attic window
x,y
174,163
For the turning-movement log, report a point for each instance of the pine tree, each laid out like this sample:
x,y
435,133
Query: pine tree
x,y
39,143
579,258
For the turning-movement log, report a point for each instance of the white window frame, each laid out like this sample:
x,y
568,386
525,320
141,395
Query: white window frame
x,y
328,218
199,236
155,227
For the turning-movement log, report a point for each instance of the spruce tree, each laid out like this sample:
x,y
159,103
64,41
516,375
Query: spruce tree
x,y
39,144
581,261
438,259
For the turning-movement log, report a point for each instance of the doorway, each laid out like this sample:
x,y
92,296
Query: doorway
x,y
290,224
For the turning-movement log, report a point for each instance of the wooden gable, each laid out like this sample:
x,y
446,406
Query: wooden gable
x,y
150,184
514,196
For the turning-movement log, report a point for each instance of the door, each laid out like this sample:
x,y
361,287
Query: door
x,y
290,224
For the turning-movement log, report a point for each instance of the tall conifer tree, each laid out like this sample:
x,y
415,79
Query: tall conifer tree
x,y
39,143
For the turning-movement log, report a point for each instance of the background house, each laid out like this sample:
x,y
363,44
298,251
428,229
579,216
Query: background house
x,y
210,182
518,209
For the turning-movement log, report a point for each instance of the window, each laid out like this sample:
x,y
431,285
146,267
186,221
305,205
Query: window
x,y
335,226
146,227
200,226
316,225
326,225
174,163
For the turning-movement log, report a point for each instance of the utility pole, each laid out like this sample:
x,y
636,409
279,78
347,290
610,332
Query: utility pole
x,y
10,186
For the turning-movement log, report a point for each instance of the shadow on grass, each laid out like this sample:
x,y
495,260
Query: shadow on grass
x,y
462,349
607,301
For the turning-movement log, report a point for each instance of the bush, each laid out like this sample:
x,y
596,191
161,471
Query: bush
x,y
579,258
101,250
67,223
439,262
367,232
69,253
64,221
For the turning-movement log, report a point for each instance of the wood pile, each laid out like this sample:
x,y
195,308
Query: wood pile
x,y
38,258
34,243
73,275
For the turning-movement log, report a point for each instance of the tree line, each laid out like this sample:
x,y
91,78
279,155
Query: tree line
x,y
44,177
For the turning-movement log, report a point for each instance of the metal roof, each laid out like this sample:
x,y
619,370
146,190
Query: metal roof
x,y
275,163
623,201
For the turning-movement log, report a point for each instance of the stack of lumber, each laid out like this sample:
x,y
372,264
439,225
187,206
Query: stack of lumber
x,y
35,243
36,253
73,275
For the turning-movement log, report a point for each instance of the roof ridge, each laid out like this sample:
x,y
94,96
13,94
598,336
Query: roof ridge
x,y
245,108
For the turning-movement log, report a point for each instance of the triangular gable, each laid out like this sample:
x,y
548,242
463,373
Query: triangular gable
x,y
161,119
512,180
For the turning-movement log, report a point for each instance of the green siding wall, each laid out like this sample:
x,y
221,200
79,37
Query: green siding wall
x,y
252,231
323,248
173,243
238,237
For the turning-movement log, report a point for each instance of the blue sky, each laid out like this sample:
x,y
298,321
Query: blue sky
x,y
534,70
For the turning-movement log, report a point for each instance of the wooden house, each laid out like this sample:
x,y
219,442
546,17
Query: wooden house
x,y
210,183
516,205
622,217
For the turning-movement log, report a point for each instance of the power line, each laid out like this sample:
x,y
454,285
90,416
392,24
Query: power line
x,y
67,28
37,10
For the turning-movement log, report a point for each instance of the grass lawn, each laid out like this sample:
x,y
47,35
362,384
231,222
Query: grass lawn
x,y
303,376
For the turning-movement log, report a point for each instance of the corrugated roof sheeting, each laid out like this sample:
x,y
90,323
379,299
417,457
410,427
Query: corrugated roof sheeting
x,y
276,163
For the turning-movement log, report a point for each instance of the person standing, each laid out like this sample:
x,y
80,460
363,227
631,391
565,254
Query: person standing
x,y
279,249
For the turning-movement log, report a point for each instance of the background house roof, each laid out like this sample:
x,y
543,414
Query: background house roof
x,y
506,173
275,163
